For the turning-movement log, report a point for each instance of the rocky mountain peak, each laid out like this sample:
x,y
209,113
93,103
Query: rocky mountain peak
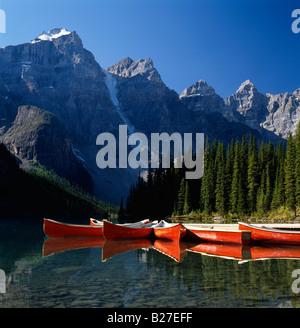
x,y
121,68
202,97
51,35
130,68
247,87
200,88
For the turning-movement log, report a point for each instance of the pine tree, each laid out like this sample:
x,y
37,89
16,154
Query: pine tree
x,y
253,175
236,176
121,213
130,203
242,201
208,190
205,175
261,194
297,165
276,202
187,199
278,198
220,181
228,173
243,190
261,201
290,180
181,197
268,190
271,162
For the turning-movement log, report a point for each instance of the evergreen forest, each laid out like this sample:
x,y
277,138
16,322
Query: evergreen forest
x,y
240,180
38,193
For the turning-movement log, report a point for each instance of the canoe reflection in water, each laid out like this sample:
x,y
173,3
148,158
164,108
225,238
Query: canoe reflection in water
x,y
176,250
112,248
56,245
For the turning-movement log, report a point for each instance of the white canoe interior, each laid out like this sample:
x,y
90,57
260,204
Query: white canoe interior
x,y
143,223
96,222
235,226
208,226
214,227
282,228
163,224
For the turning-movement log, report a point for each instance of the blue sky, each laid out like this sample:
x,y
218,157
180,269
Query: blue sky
x,y
224,42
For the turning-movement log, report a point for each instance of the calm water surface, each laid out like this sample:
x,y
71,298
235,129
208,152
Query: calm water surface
x,y
82,272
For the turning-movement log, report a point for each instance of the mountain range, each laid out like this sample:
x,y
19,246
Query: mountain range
x,y
55,99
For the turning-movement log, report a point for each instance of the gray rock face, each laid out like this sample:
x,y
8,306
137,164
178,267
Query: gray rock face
x,y
278,114
283,113
150,106
249,103
274,116
36,136
55,73
202,97
129,68
147,103
62,77
200,88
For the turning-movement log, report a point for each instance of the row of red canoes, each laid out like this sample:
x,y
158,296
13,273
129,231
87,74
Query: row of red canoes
x,y
111,231
241,233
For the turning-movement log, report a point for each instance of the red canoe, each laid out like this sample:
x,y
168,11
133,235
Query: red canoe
x,y
171,231
272,235
57,229
219,234
113,231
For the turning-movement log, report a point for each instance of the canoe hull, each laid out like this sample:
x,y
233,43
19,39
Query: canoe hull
x,y
114,231
57,229
176,232
272,236
222,236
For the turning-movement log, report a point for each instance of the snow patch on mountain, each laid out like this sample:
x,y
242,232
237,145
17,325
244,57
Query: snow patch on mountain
x,y
111,84
51,35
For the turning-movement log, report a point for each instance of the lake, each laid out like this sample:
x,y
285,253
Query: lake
x,y
40,272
